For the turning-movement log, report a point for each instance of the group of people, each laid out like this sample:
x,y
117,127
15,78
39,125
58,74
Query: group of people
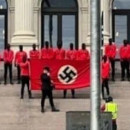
x,y
108,63
21,61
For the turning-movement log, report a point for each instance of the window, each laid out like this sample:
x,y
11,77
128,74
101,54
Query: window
x,y
60,22
121,4
3,4
3,24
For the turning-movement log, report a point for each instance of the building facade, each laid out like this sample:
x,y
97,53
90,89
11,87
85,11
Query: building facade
x,y
35,21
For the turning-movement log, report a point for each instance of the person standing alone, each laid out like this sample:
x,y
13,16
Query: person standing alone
x,y
47,89
110,52
24,67
18,59
8,57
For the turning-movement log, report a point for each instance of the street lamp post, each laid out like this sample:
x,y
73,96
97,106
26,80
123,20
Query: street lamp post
x,y
95,63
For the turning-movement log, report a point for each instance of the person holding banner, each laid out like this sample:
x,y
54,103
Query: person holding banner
x,y
83,54
34,53
59,52
105,75
18,59
24,67
47,87
47,52
70,55
8,57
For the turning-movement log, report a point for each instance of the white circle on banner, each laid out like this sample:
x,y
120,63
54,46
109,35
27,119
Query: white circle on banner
x,y
67,74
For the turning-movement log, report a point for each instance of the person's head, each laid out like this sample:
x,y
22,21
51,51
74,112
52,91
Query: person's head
x,y
125,42
21,48
109,99
34,46
83,46
71,46
46,44
8,47
46,70
105,58
59,44
24,59
110,41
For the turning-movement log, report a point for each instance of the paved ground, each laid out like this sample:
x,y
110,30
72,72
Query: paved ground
x,y
17,114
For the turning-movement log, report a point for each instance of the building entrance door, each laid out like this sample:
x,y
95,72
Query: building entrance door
x,y
121,25
60,22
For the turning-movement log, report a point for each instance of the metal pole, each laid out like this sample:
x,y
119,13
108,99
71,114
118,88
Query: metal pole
x,y
95,64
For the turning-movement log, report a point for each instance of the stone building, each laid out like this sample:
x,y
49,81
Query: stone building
x,y
35,21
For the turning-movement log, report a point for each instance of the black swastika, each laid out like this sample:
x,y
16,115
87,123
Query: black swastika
x,y
67,75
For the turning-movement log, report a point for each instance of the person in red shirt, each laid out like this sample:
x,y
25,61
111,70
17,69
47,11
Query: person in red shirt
x,y
105,76
18,59
24,67
83,53
0,61
59,52
34,53
124,59
8,57
110,52
47,52
70,55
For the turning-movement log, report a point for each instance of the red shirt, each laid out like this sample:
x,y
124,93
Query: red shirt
x,y
34,54
24,68
8,56
60,54
124,52
71,54
19,56
110,51
83,55
128,51
47,53
105,70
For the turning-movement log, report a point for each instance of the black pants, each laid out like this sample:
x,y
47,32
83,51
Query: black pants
x,y
114,126
7,66
124,67
18,73
72,92
105,85
112,61
25,81
46,93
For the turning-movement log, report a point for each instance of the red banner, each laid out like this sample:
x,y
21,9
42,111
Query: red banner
x,y
66,74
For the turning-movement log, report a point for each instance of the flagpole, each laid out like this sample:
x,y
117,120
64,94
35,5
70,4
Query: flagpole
x,y
95,64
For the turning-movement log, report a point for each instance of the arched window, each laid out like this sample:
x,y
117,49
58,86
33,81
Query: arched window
x,y
60,22
3,24
121,4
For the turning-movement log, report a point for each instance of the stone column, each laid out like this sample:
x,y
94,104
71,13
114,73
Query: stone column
x,y
24,33
106,19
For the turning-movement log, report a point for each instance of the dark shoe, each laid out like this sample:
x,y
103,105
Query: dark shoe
x,y
122,79
73,96
55,110
18,82
5,83
42,110
11,83
113,79
21,98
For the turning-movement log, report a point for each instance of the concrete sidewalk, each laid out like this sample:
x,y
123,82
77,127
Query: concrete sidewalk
x,y
17,114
